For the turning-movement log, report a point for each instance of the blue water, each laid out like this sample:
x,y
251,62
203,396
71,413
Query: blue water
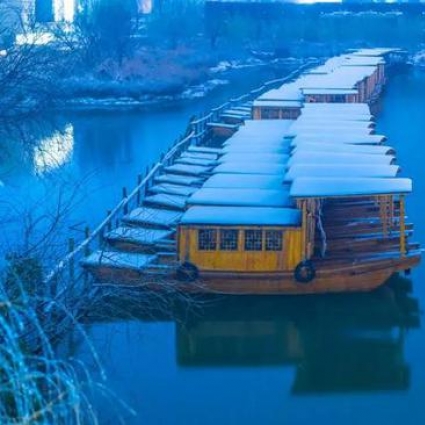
x,y
342,359
85,159
350,359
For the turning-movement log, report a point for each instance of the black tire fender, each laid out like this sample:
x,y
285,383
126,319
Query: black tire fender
x,y
187,272
304,271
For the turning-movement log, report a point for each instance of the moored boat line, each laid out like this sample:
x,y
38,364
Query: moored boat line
x,y
272,208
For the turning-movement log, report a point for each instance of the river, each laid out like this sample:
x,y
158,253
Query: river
x,y
79,162
341,359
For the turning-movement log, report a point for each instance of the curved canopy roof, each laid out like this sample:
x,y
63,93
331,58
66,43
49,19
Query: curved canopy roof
x,y
308,187
245,181
250,168
242,216
241,197
339,170
306,157
354,139
259,157
343,147
257,147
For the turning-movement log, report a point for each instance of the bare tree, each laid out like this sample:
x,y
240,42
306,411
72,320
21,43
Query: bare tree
x,y
105,30
29,68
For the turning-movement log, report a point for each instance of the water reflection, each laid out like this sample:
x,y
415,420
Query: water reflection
x,y
32,147
336,343
54,151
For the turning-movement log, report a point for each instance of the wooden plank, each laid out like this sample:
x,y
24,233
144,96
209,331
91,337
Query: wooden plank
x,y
139,235
168,201
118,260
196,161
188,170
173,189
154,217
179,180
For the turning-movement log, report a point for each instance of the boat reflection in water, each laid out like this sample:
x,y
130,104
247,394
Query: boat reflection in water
x,y
336,343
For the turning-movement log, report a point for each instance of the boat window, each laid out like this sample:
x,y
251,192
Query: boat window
x,y
253,240
207,239
229,239
274,240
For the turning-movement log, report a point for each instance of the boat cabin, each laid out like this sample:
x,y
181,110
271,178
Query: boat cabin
x,y
276,109
241,239
283,103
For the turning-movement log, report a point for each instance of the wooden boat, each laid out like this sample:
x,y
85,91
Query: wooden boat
x,y
283,206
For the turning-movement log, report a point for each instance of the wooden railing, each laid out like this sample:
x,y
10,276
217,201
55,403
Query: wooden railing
x,y
129,201
196,133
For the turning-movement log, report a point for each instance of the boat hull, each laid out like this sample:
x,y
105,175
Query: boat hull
x,y
335,277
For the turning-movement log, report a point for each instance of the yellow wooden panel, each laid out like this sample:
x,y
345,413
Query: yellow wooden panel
x,y
241,260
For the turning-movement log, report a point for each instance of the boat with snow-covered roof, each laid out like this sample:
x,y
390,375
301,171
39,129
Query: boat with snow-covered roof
x,y
302,201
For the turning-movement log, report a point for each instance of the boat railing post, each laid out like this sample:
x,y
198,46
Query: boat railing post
x,y
402,226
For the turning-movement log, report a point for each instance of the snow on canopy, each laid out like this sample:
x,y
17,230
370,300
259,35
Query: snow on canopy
x,y
268,158
307,157
341,170
257,147
268,125
244,181
352,139
328,151
301,125
250,168
343,147
242,216
363,61
333,115
289,92
316,129
348,108
247,139
278,103
306,187
342,78
376,51
241,197
330,90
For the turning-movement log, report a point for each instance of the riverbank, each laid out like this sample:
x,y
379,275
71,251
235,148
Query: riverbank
x,y
155,77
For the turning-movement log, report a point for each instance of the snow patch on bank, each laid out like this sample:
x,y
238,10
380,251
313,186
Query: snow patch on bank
x,y
202,90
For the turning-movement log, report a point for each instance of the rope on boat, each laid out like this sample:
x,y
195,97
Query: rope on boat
x,y
321,230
